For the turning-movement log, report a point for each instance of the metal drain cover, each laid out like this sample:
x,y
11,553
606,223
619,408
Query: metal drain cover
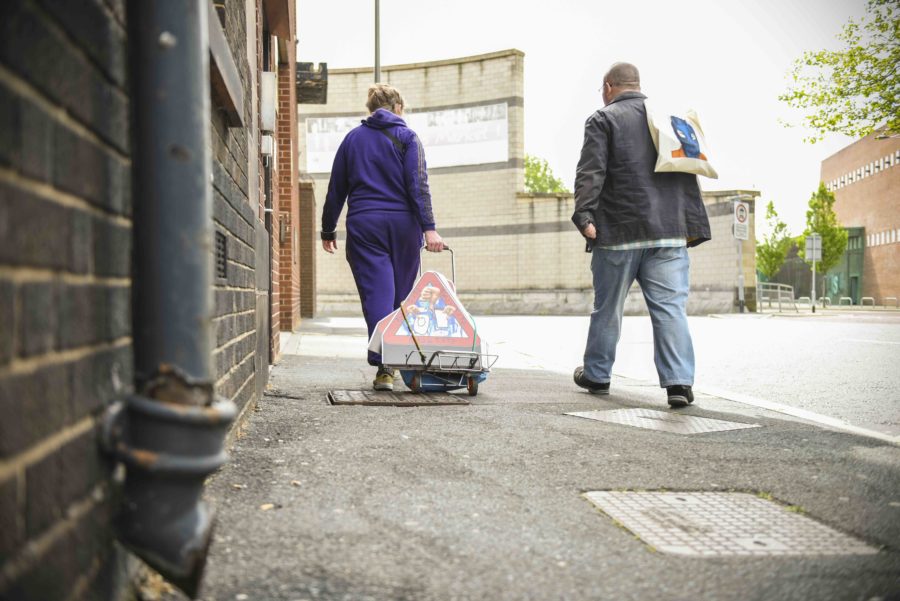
x,y
665,421
393,399
712,524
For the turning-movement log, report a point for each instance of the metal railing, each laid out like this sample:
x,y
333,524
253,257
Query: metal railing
x,y
770,292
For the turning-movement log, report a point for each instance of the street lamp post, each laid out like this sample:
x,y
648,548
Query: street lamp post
x,y
377,41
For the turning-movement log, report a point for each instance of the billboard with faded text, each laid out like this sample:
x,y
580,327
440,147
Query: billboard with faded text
x,y
472,135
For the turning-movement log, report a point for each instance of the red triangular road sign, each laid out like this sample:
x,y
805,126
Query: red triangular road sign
x,y
435,316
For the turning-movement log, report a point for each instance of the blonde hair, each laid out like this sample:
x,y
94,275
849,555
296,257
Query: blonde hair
x,y
383,96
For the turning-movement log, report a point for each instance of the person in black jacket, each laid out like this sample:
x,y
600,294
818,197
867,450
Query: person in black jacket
x,y
638,224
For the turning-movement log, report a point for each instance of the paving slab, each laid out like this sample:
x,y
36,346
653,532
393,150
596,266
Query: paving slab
x,y
717,524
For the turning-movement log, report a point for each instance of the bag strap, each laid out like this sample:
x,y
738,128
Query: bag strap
x,y
394,140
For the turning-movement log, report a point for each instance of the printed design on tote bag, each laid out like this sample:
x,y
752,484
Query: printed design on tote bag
x,y
690,145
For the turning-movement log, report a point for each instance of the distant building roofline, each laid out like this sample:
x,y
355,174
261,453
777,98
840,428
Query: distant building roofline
x,y
439,63
876,136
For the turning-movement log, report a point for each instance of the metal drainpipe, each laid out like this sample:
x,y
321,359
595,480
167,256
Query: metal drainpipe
x,y
170,433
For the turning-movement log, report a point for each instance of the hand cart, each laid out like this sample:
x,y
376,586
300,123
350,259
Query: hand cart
x,y
435,342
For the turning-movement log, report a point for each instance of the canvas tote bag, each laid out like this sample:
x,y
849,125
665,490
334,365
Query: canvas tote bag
x,y
680,143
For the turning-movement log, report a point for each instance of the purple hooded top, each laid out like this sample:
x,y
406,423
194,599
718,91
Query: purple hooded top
x,y
377,172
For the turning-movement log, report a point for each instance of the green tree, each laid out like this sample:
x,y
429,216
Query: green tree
x,y
821,219
771,254
539,178
855,90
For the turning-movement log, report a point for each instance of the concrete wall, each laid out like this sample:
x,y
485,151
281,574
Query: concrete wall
x,y
516,252
461,195
865,177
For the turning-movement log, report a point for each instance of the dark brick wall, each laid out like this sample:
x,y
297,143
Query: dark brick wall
x,y
236,218
65,286
65,282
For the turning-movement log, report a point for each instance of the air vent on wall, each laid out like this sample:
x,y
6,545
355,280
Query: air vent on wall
x,y
221,255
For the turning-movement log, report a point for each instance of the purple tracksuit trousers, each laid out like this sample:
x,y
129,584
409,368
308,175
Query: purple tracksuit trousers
x,y
383,251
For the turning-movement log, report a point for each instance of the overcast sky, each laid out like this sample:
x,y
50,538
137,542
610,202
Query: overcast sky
x,y
728,59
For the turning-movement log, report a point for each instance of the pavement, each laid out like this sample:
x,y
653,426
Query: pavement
x,y
487,501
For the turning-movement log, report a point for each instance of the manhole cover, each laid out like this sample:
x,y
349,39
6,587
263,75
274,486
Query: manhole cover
x,y
720,523
393,399
665,421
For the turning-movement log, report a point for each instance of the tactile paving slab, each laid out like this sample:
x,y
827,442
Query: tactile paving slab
x,y
665,421
393,399
713,524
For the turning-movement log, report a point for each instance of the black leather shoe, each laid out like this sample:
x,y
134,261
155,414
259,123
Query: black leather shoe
x,y
592,387
680,396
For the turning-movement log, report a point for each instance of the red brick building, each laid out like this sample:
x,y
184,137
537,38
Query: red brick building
x,y
865,179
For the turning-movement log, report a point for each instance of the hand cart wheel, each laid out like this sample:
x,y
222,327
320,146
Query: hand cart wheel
x,y
472,386
415,383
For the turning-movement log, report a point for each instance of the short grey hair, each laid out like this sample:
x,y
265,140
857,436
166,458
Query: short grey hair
x,y
623,75
383,96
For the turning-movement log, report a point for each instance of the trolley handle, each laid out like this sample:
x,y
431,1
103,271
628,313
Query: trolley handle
x,y
452,262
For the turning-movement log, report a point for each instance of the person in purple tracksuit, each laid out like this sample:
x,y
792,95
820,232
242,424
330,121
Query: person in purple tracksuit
x,y
379,171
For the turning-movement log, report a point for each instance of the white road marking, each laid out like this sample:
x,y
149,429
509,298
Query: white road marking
x,y
871,341
812,416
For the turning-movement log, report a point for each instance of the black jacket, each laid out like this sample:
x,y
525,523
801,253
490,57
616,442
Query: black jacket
x,y
617,190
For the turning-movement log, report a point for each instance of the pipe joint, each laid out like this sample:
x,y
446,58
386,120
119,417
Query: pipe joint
x,y
169,450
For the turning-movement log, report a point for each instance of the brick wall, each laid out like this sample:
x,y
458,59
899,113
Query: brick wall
x,y
270,198
865,177
65,280
288,202
236,218
516,252
65,319
461,195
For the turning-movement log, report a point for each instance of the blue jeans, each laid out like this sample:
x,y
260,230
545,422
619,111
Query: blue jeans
x,y
663,274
